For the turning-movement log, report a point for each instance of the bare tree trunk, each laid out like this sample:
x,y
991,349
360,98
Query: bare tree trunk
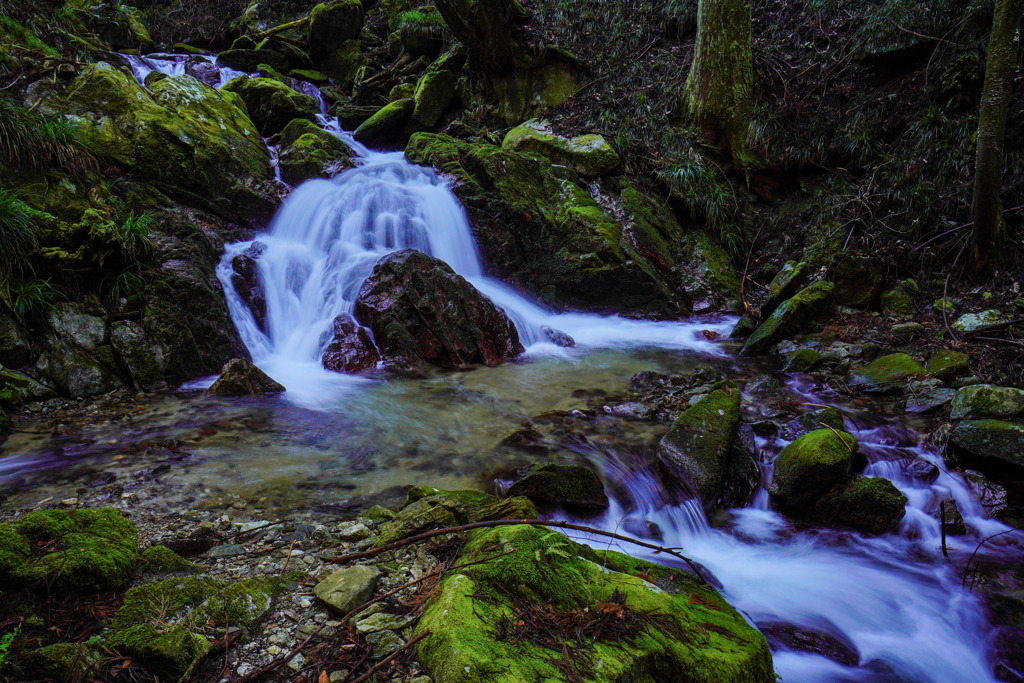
x,y
989,230
718,96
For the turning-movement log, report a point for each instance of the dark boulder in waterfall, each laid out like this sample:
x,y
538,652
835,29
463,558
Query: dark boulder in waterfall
x,y
245,277
240,377
574,486
421,311
351,349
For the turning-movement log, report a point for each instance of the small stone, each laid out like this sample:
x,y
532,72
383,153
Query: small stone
x,y
383,643
348,588
352,531
383,621
222,551
907,328
69,502
338,676
297,662
273,650
971,322
280,638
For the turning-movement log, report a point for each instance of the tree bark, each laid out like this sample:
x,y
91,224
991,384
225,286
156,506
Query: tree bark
x,y
989,230
718,95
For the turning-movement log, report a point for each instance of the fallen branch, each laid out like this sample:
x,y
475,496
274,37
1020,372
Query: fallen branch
x,y
277,29
390,658
345,559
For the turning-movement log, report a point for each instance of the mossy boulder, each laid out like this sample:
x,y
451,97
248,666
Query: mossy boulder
x,y
872,505
899,301
573,486
858,280
971,322
467,497
696,447
996,439
271,104
249,61
696,636
887,375
17,388
173,650
590,155
160,559
68,550
526,93
541,230
388,124
426,513
790,318
434,91
707,270
802,360
313,154
63,661
239,377
331,24
986,400
791,278
946,364
309,76
811,465
181,134
342,66
422,31
15,347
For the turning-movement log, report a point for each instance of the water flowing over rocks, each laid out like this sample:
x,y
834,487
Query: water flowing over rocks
x,y
421,311
351,348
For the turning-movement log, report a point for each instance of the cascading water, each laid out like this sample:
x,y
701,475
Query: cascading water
x,y
892,602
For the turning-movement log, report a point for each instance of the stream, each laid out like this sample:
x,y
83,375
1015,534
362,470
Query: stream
x,y
892,602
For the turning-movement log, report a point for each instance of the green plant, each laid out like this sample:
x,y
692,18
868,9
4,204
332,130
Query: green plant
x,y
18,231
28,299
32,142
5,643
134,235
126,285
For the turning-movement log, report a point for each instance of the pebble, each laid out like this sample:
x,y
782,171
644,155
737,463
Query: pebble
x,y
226,551
297,662
69,501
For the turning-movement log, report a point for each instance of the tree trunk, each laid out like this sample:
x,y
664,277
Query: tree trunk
x,y
718,96
493,32
1000,65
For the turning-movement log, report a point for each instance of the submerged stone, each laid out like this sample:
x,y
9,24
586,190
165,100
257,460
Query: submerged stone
x,y
239,377
808,467
696,447
790,318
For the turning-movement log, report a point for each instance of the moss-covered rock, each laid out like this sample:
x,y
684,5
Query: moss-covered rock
x,y
790,318
342,66
707,270
182,134
823,418
899,301
971,322
526,93
810,466
309,75
858,280
467,497
946,364
990,439
802,360
249,61
590,154
15,348
331,24
387,124
426,513
574,486
68,550
887,375
422,31
312,154
143,360
986,400
697,637
869,504
63,661
791,278
160,559
434,91
696,447
271,104
172,650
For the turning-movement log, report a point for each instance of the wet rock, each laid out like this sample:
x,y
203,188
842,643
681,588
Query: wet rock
x,y
308,152
696,447
15,349
858,280
421,311
808,467
388,124
992,496
249,61
245,277
790,318
766,385
590,155
1003,441
832,645
946,364
68,550
351,349
635,410
886,375
928,395
745,327
946,512
426,513
647,379
240,377
572,486
558,338
922,470
802,360
971,322
790,279
872,505
144,361
742,469
331,24
79,372
346,589
271,104
555,574
805,423
433,92
986,400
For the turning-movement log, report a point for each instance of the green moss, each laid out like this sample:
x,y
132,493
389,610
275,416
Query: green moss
x,y
697,444
899,301
790,317
888,374
161,600
174,650
570,485
589,154
986,400
241,603
707,642
387,123
990,439
63,662
267,71
802,360
711,265
308,75
947,364
788,281
426,513
88,550
468,498
810,466
343,65
159,559
433,92
869,504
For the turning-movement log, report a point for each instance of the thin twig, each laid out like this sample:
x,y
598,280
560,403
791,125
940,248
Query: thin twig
x,y
513,522
967,567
